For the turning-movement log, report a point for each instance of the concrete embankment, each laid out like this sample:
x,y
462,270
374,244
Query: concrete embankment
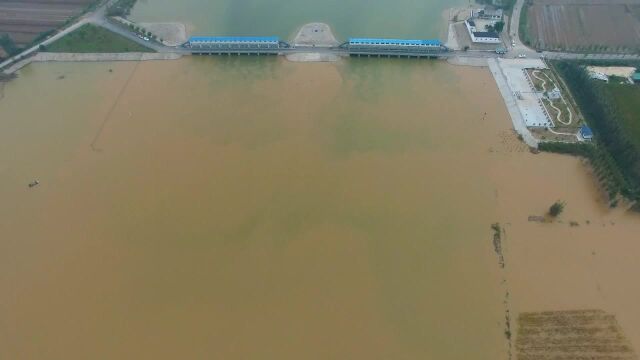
x,y
511,102
310,36
87,57
468,61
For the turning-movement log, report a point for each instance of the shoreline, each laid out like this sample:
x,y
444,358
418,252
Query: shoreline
x,y
90,57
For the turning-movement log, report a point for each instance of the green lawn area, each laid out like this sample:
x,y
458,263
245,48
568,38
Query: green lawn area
x,y
627,99
93,39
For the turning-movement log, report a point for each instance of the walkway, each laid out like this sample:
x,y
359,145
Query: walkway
x,y
544,90
511,102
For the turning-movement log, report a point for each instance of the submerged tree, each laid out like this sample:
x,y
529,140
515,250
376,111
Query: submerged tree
x,y
557,208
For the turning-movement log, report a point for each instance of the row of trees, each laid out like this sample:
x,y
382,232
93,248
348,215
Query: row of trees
x,y
604,167
11,48
615,157
142,31
587,49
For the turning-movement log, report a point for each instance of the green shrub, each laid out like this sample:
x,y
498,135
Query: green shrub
x,y
557,208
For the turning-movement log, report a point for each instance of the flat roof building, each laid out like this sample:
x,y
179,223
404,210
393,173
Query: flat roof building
x,y
586,133
233,42
486,37
235,39
393,42
487,14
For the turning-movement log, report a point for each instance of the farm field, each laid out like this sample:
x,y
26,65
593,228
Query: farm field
x,y
584,25
24,20
576,334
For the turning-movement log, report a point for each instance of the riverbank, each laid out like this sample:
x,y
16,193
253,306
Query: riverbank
x,y
306,214
91,57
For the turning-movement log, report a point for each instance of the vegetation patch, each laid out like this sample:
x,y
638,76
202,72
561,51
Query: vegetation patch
x,y
556,209
497,242
93,39
627,100
506,5
606,170
555,98
576,334
616,154
523,25
121,8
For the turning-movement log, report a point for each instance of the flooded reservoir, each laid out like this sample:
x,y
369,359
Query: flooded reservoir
x,y
255,208
311,211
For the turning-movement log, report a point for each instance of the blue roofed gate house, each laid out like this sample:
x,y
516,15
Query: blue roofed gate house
x,y
586,133
394,42
373,45
233,42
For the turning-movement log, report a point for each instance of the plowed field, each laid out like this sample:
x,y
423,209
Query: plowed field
x,y
585,25
23,20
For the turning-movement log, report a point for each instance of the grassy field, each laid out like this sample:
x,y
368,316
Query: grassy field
x,y
627,99
93,39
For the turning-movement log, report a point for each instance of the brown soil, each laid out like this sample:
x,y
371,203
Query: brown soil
x,y
587,25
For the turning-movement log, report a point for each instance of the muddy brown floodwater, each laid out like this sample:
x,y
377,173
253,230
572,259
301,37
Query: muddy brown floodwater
x,y
256,208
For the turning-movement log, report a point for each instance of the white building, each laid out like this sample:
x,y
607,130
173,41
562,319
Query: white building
x,y
483,37
554,94
598,76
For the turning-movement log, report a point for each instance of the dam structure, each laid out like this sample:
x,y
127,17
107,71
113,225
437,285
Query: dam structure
x,y
393,47
239,45
272,45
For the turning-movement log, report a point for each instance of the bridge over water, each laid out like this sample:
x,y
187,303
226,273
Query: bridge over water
x,y
272,45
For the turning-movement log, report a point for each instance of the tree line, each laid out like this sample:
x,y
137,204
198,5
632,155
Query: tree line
x,y
615,156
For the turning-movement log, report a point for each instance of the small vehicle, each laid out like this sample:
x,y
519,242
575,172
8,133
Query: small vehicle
x,y
513,43
145,38
522,56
